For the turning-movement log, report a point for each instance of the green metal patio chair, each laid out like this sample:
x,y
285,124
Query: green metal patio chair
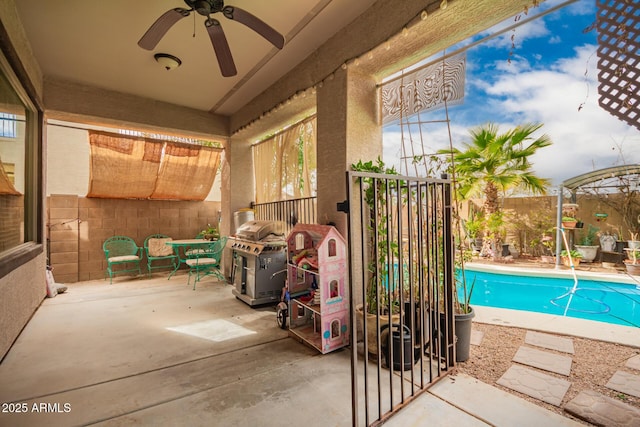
x,y
207,263
122,250
158,253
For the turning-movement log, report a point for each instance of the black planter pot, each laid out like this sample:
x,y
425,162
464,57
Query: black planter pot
x,y
463,335
505,250
463,323
401,345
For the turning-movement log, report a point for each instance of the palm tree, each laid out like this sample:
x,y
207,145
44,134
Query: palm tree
x,y
493,163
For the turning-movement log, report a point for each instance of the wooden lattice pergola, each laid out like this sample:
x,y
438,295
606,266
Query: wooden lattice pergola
x,y
619,59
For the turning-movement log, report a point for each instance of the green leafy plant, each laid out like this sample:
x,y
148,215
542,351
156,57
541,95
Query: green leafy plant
x,y
549,244
210,232
634,256
590,237
474,225
572,252
381,250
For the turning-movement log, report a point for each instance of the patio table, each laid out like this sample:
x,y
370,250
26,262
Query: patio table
x,y
181,246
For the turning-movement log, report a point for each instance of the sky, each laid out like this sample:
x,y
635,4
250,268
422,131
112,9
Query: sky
x,y
551,78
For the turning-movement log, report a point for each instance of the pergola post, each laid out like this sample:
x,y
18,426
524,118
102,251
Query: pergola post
x,y
559,227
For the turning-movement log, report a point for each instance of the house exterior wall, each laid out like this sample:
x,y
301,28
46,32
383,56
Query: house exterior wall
x,y
23,289
22,292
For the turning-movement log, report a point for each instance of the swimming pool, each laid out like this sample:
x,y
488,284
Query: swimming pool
x,y
551,293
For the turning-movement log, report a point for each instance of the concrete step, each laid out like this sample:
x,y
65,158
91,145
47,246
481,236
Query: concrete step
x,y
494,406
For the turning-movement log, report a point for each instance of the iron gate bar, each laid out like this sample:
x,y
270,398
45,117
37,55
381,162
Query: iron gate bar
x,y
410,219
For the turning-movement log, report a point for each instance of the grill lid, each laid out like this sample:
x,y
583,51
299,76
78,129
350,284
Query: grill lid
x,y
258,230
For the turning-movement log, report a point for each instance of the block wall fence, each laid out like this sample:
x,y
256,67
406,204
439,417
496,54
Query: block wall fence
x,y
78,226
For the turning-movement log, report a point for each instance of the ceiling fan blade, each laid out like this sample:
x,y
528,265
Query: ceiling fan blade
x,y
159,28
255,23
221,47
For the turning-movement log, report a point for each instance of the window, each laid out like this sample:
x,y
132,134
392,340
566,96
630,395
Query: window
x,y
20,173
8,125
335,329
332,248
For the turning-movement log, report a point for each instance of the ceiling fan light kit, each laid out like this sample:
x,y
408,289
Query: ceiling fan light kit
x,y
169,62
206,8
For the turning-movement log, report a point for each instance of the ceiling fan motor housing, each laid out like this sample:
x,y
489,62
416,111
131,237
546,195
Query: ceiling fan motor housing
x,y
205,7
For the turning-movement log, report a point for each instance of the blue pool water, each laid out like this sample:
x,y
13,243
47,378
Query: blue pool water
x,y
609,302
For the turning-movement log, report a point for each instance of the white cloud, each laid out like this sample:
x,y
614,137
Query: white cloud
x,y
584,139
565,100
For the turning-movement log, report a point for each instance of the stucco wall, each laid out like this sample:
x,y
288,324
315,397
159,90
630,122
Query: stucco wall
x,y
22,292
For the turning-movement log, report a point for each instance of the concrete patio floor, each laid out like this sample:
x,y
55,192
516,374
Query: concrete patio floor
x,y
155,352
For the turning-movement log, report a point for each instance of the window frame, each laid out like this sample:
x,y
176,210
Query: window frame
x,y
32,247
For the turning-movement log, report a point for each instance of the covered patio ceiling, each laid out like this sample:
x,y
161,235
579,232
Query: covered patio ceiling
x,y
93,68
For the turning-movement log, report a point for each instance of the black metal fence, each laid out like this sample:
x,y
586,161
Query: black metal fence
x,y
288,212
402,289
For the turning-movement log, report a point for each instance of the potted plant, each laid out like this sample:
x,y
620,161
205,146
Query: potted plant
x,y
209,233
473,227
568,256
633,262
588,247
633,242
464,314
569,222
380,293
548,242
569,219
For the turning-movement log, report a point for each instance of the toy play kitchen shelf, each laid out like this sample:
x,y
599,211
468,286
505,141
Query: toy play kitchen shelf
x,y
319,300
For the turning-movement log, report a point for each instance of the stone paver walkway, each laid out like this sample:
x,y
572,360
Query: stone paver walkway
x,y
588,405
626,383
476,337
603,410
551,342
634,363
535,384
551,362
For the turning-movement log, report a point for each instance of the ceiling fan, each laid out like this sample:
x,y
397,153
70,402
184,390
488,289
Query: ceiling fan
x,y
219,41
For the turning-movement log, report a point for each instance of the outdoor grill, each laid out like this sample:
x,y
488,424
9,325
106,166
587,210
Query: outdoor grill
x,y
259,262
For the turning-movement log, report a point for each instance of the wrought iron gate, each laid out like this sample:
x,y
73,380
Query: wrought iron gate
x,y
401,276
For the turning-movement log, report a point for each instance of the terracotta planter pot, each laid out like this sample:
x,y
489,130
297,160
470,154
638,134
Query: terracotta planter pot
x,y
633,269
547,259
565,261
372,344
569,224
